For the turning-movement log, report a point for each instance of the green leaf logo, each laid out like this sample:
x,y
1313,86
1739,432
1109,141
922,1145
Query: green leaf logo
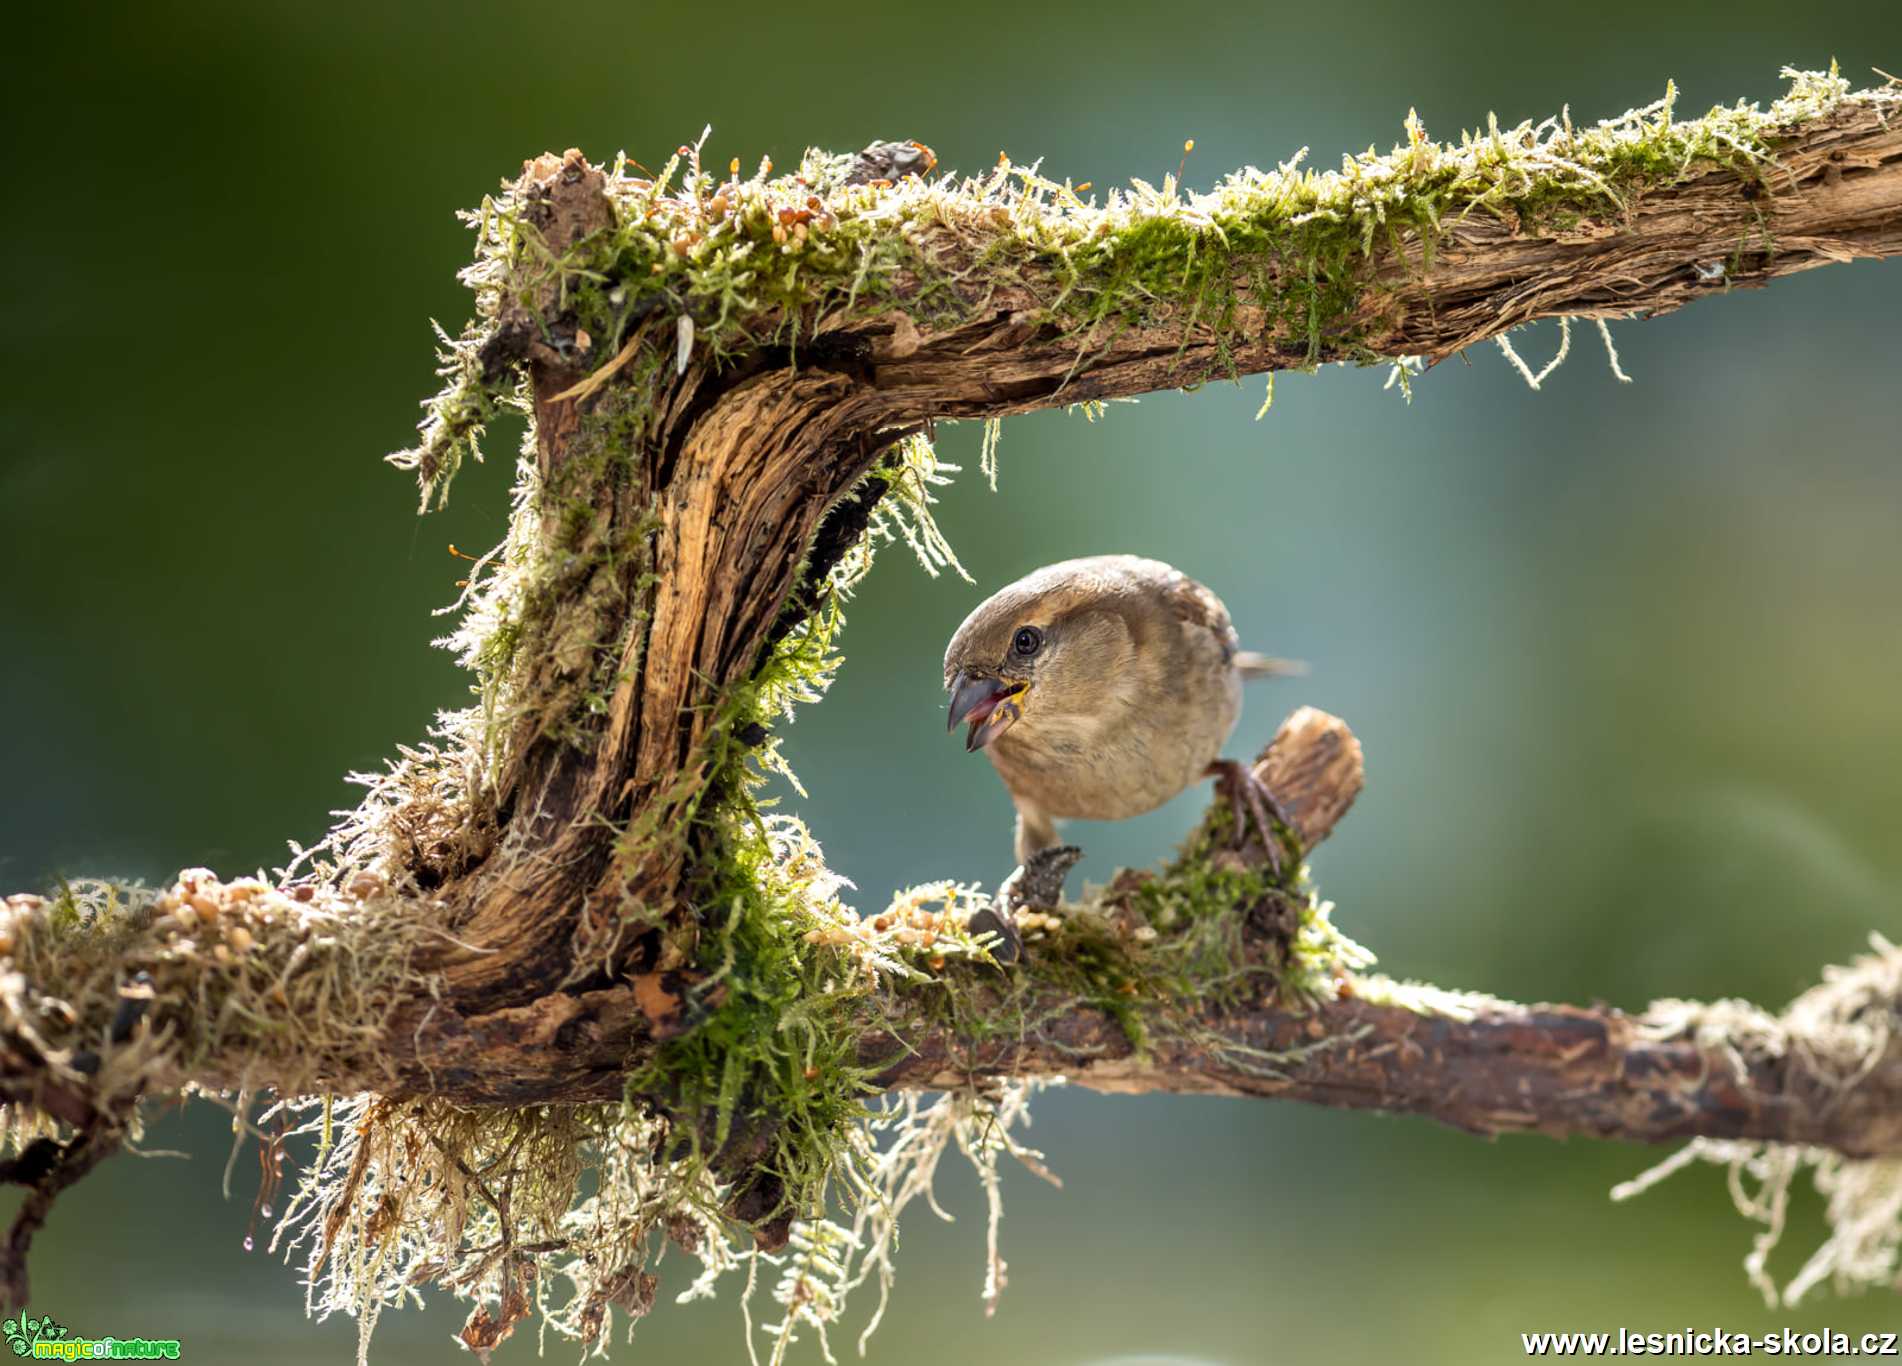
x,y
22,1332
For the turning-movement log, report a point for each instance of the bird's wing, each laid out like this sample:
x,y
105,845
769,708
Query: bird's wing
x,y
1196,606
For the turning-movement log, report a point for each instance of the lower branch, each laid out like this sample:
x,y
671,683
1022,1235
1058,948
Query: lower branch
x,y
1485,1066
1299,1020
1475,1062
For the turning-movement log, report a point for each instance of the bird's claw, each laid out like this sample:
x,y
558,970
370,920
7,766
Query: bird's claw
x,y
1036,885
1249,799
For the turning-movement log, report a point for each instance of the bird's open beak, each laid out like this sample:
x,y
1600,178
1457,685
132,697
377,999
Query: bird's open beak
x,y
991,705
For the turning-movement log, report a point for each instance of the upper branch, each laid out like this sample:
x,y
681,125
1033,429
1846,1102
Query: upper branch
x,y
1832,193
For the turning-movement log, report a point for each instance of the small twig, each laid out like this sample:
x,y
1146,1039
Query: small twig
x,y
47,1168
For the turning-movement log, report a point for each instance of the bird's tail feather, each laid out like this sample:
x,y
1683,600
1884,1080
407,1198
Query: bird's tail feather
x,y
1254,665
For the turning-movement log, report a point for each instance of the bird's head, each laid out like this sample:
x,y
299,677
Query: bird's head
x,y
1048,653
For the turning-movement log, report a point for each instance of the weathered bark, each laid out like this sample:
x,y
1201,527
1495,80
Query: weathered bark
x,y
1557,1070
1834,195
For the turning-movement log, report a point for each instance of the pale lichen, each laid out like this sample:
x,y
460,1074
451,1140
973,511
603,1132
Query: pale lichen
x,y
1832,1035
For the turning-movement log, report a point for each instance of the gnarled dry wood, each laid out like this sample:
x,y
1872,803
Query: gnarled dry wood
x,y
747,461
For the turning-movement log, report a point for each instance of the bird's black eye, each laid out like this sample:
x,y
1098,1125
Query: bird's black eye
x,y
1026,642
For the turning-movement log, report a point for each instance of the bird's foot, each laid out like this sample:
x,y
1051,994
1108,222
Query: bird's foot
x,y
1250,800
1036,885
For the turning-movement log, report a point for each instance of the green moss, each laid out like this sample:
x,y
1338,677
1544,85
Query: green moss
x,y
752,262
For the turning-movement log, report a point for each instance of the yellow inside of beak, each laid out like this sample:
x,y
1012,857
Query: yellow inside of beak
x,y
1008,711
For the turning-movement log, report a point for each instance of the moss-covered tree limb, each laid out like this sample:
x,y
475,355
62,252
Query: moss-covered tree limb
x,y
1834,194
1477,1063
570,896
1489,1068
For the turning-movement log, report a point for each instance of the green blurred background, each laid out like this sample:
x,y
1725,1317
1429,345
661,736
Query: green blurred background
x,y
1625,659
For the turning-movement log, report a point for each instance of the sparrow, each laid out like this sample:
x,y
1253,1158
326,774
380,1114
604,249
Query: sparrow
x,y
1100,688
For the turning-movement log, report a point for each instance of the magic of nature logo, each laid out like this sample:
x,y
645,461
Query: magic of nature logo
x,y
47,1340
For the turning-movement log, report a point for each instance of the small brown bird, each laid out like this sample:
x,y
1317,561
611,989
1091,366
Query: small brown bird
x,y
1102,687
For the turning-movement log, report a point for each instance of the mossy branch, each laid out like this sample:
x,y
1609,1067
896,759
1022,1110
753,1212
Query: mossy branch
x,y
1362,1042
561,959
